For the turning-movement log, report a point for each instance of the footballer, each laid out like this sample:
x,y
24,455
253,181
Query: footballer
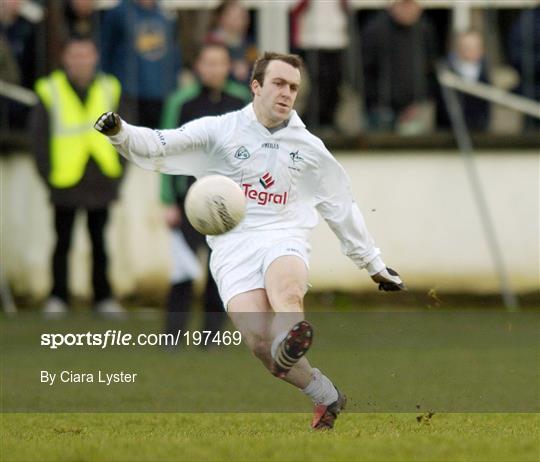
x,y
288,177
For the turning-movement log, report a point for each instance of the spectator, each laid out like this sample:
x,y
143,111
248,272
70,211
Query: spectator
x,y
139,47
82,19
21,35
467,59
230,26
399,52
320,35
524,52
212,94
80,169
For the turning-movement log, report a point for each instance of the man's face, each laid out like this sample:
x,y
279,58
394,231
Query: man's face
x,y
470,47
83,8
10,8
235,19
147,4
80,60
406,12
213,66
275,98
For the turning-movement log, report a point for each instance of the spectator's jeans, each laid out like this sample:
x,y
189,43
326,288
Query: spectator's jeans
x,y
63,223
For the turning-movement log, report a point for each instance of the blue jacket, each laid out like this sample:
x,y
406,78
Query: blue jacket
x,y
139,47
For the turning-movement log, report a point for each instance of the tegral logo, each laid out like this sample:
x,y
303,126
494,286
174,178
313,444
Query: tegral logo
x,y
266,180
263,197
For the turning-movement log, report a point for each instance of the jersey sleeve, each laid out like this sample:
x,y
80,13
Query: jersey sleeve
x,y
336,204
181,151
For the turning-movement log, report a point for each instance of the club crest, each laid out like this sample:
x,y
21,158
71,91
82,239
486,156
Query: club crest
x,y
295,157
242,153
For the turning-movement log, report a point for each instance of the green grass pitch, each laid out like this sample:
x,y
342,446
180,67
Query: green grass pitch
x,y
395,361
268,437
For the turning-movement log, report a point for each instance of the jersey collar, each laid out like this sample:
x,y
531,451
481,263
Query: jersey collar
x,y
294,119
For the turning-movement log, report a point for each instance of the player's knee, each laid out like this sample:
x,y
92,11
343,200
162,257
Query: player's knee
x,y
291,297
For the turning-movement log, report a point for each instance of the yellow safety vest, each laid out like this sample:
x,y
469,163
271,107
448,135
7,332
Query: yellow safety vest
x,y
73,139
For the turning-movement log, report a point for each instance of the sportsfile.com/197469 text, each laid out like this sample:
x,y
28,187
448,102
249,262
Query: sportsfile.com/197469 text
x,y
117,338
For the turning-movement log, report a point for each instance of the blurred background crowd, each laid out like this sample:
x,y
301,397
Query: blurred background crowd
x,y
369,69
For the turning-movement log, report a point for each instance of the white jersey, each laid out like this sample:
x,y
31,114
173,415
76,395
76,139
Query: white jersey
x,y
287,176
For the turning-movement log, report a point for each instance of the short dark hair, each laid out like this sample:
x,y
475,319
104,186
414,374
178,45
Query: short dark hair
x,y
259,68
76,38
219,11
210,44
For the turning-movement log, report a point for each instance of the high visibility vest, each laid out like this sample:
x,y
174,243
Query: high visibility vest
x,y
73,137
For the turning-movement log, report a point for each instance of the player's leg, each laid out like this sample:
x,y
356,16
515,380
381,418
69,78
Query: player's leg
x,y
286,282
252,315
242,286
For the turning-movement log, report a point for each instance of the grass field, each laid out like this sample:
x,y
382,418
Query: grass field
x,y
269,437
222,406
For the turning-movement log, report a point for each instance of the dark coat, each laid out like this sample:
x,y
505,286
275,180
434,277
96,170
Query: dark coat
x,y
398,62
476,111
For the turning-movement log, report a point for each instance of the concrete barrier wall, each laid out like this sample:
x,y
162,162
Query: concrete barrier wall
x,y
418,207
421,211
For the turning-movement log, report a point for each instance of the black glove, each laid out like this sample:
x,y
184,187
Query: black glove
x,y
389,280
108,123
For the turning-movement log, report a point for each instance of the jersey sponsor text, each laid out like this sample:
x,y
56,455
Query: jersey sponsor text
x,y
263,197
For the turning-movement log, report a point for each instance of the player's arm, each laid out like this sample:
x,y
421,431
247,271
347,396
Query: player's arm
x,y
337,206
177,151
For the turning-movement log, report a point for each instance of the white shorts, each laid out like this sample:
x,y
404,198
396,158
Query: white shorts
x,y
239,262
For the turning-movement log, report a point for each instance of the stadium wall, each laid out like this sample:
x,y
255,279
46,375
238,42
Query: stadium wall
x,y
418,206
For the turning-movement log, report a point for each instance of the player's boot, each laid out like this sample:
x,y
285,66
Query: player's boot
x,y
293,347
324,416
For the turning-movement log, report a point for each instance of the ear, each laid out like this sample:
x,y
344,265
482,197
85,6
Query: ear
x,y
255,87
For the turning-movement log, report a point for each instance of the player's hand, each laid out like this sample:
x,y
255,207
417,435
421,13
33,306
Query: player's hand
x,y
108,123
389,280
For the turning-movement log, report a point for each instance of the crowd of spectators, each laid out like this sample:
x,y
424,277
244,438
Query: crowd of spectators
x,y
131,55
397,47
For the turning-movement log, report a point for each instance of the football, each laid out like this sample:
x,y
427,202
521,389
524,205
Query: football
x,y
215,204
